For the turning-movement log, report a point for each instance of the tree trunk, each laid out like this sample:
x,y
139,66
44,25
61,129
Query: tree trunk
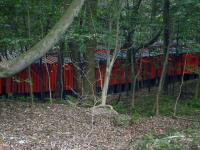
x,y
29,68
49,81
166,23
41,48
134,83
59,86
180,88
89,79
109,67
30,82
106,83
46,66
41,78
133,76
75,56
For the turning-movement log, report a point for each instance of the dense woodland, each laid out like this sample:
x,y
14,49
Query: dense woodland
x,y
122,64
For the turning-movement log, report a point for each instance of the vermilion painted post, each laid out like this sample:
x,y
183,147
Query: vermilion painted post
x,y
66,76
72,79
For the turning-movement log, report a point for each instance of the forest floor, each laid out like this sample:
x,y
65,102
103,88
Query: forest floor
x,y
59,127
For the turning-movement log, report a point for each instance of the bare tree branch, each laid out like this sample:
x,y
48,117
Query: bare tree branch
x,y
151,41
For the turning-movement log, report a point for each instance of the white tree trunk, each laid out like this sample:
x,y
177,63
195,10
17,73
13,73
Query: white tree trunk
x,y
106,83
109,67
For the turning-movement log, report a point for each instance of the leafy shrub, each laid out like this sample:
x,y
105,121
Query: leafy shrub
x,y
135,117
120,107
171,140
122,120
194,103
10,95
150,141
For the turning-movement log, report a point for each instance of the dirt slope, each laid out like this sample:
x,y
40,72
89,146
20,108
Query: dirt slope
x,y
56,127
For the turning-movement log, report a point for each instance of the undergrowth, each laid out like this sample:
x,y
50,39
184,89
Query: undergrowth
x,y
145,106
171,140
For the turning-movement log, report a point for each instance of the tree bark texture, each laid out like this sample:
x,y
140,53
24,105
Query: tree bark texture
x,y
75,55
89,79
109,67
59,86
166,23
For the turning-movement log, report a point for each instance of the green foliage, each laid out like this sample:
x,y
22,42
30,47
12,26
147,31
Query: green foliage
x,y
13,97
14,22
145,107
189,107
120,107
151,142
143,20
127,117
58,101
23,99
194,103
135,117
172,140
71,101
10,95
122,120
186,107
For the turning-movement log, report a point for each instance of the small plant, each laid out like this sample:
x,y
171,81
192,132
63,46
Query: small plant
x,y
120,107
194,103
58,101
122,120
135,117
171,140
23,99
10,95
150,141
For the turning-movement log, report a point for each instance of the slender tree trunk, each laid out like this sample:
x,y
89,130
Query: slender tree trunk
x,y
180,88
30,84
106,83
166,51
134,83
75,56
49,81
100,76
47,69
129,62
89,79
59,86
29,68
133,76
176,55
109,67
41,78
